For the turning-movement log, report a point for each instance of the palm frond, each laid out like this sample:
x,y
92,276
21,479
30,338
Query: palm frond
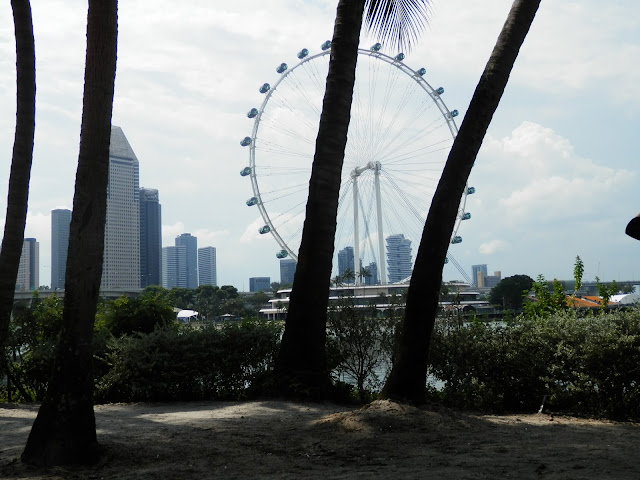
x,y
398,23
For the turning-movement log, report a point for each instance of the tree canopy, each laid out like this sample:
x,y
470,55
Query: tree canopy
x,y
509,292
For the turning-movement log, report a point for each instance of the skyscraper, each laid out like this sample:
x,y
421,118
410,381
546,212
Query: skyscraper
x,y
174,267
207,273
287,271
478,274
150,238
121,267
398,257
191,245
60,220
28,272
346,262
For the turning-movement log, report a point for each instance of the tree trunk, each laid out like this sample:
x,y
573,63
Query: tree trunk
x,y
407,380
301,368
64,431
20,165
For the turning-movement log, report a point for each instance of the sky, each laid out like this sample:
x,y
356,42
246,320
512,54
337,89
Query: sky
x,y
557,176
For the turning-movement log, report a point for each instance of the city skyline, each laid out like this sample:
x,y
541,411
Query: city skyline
x,y
556,176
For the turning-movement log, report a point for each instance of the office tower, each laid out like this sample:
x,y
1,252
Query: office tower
x,y
207,273
398,257
28,272
346,262
372,279
191,245
150,238
121,267
174,267
491,281
259,284
287,271
60,220
478,275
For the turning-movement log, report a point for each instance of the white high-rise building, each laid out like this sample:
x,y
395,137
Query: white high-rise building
x,y
121,267
60,220
207,273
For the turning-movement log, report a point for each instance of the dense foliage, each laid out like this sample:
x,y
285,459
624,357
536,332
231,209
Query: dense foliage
x,y
571,364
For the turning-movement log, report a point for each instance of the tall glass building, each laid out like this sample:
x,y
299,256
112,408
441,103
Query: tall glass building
x,y
121,267
287,271
207,274
150,238
191,260
399,263
60,220
29,270
346,261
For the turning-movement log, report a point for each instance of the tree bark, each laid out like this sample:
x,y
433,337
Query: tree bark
x,y
407,380
18,196
64,431
301,368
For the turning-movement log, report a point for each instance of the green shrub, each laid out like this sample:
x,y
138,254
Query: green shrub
x,y
578,365
188,364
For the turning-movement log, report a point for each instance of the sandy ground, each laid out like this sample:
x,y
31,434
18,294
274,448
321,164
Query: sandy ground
x,y
284,440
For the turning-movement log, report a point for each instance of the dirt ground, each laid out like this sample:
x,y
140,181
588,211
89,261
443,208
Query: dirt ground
x,y
284,440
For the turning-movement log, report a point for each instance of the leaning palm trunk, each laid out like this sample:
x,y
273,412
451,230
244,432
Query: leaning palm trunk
x,y
20,165
64,431
407,380
301,367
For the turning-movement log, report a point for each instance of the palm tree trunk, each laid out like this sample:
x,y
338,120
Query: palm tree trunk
x,y
301,365
20,165
407,380
64,431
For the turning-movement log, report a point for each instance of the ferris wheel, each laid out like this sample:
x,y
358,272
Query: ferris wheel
x,y
399,137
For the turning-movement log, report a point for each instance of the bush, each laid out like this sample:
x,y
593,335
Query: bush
x,y
584,366
188,364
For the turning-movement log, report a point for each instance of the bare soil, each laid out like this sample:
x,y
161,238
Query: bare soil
x,y
285,440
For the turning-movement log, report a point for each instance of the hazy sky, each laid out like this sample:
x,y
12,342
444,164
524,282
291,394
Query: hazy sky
x,y
557,175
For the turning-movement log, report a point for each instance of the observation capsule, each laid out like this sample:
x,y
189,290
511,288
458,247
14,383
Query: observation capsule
x,y
246,141
265,88
446,260
281,68
465,216
251,202
245,171
265,229
326,45
252,113
456,239
422,72
282,254
439,91
399,57
453,113
376,47
303,53
471,190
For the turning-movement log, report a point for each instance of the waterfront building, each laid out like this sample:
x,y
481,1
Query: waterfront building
x,y
207,273
346,262
399,263
60,221
174,267
150,238
191,251
121,265
259,284
287,271
28,272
